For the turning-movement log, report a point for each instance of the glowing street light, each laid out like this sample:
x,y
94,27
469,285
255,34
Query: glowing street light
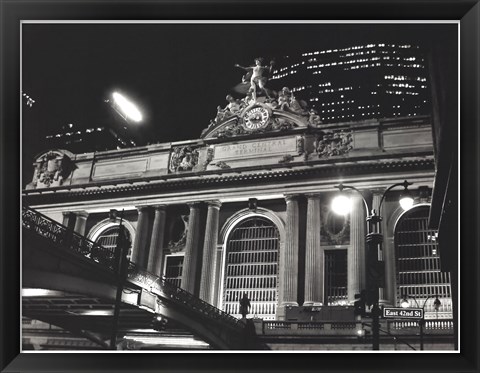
x,y
127,109
341,204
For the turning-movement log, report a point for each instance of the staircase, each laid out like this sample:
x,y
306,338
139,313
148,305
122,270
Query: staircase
x,y
180,305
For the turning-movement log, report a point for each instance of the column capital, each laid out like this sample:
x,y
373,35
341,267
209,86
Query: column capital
x,y
141,209
291,197
193,204
83,214
315,195
214,203
159,207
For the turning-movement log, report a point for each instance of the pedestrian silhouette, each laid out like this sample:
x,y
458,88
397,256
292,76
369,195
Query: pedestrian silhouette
x,y
244,305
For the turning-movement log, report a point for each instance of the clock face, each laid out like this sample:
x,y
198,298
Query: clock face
x,y
256,118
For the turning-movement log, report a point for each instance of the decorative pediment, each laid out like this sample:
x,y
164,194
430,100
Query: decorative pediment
x,y
254,119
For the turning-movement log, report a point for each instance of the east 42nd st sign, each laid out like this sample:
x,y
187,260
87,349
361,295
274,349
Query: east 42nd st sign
x,y
402,313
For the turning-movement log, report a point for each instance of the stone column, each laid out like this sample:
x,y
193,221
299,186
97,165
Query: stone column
x,y
314,265
207,283
375,205
356,251
81,222
69,220
289,256
155,254
191,249
140,246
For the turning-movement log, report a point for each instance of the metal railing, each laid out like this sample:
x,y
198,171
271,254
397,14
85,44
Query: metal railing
x,y
177,295
48,228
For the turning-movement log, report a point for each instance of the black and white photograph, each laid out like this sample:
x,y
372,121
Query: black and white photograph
x,y
239,186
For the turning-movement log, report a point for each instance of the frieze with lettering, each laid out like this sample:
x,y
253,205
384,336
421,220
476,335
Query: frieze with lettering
x,y
256,148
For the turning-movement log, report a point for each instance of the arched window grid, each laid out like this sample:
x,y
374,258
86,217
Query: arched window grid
x,y
419,278
251,266
106,231
108,238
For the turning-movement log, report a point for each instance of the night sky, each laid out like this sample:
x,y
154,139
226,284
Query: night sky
x,y
176,73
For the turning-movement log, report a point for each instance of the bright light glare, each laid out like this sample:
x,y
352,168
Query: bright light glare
x,y
406,202
32,292
405,303
95,313
170,340
127,107
341,205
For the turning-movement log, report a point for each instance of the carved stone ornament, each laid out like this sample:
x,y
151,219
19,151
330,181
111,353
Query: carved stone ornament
x,y
222,165
300,144
209,158
335,229
282,124
178,243
333,144
183,158
51,170
230,131
286,159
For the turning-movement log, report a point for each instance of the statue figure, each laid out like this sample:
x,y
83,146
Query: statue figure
x,y
249,98
314,119
284,98
257,75
297,107
233,105
220,114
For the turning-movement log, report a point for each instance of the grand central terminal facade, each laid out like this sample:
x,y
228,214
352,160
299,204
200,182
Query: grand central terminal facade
x,y
246,208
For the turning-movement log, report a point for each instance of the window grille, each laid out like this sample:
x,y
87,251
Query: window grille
x,y
418,265
108,239
336,277
174,269
252,267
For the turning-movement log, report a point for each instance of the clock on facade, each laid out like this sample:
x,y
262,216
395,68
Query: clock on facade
x,y
256,118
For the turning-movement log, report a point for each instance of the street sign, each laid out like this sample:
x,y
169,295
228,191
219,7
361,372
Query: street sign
x,y
402,313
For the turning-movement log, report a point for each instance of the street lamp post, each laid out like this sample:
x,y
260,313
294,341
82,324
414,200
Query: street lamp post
x,y
120,266
421,322
374,240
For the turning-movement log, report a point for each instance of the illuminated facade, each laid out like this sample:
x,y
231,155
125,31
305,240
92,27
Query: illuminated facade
x,y
359,82
251,213
245,209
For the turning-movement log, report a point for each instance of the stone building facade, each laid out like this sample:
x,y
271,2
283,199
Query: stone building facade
x,y
246,208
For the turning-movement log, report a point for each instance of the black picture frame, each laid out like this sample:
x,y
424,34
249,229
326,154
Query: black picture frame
x,y
12,12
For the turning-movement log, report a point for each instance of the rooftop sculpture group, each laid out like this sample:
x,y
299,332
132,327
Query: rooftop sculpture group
x,y
256,92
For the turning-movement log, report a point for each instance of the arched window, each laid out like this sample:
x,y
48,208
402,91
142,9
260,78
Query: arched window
x,y
251,266
105,234
419,278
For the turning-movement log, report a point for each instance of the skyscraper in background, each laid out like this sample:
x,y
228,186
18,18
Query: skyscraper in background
x,y
358,82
